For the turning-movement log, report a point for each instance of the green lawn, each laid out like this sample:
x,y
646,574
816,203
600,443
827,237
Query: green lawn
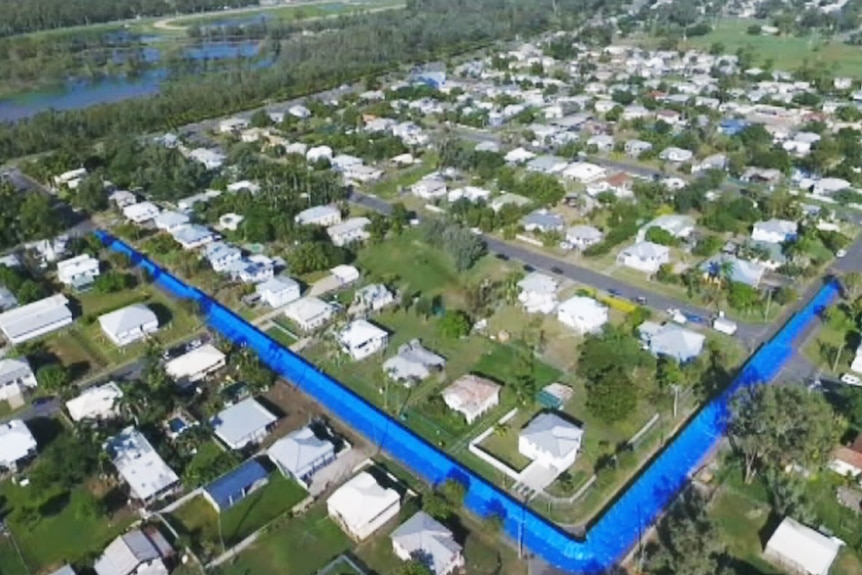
x,y
65,530
740,523
503,444
10,561
389,186
200,521
281,336
786,53
298,546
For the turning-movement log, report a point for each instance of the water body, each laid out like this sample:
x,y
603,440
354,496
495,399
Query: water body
x,y
75,94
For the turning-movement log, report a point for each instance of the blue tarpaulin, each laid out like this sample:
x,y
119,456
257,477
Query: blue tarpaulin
x,y
614,533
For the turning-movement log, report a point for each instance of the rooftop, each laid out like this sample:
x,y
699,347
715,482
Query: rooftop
x,y
240,421
139,464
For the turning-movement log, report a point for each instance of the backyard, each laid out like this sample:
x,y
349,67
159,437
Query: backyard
x,y
201,523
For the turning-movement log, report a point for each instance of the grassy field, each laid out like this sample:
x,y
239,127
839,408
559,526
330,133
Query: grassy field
x,y
503,443
281,336
10,561
199,520
65,531
298,546
786,53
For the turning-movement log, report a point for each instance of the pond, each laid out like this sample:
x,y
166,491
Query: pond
x,y
76,93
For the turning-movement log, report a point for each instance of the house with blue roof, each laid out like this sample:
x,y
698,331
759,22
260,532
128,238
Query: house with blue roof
x,y
236,485
732,126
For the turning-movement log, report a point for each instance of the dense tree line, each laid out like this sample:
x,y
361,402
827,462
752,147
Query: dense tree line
x,y
362,46
25,217
21,16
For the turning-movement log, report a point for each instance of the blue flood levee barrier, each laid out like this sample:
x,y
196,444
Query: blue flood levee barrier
x,y
615,532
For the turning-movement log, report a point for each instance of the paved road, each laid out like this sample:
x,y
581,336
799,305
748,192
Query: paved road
x,y
751,335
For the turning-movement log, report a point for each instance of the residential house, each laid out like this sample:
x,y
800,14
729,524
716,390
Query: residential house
x,y
170,222
129,324
361,174
509,199
229,222
584,172
739,270
235,485
221,256
300,454
634,148
96,403
362,506
318,153
412,363
583,314
195,365
253,269
49,251
349,231
243,186
211,159
518,156
344,274
671,340
35,319
278,291
361,339
64,570
194,236
551,441
470,193
149,478
538,293
16,379
135,553
676,155
319,216
543,221
472,396
644,256
581,237
847,460
299,111
774,231
713,162
856,365
547,164
602,142
754,175
7,299
309,312
78,272
373,297
243,424
425,539
430,187
17,444
800,549
232,125
141,212
680,227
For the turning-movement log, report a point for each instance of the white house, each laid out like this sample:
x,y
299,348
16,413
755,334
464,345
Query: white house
x,y
299,111
221,256
676,155
583,314
472,396
195,365
551,441
300,454
678,226
584,172
345,274
412,363
149,478
194,236
429,188
774,231
35,319
581,237
170,222
16,444
211,159
671,340
129,324
800,549
232,125
16,378
361,339
141,212
425,538
79,271
361,506
319,216
98,402
242,424
538,293
373,297
309,312
278,291
644,256
318,153
348,231
135,553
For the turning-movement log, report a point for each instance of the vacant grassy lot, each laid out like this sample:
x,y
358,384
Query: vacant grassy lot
x,y
199,520
281,336
65,530
10,561
299,546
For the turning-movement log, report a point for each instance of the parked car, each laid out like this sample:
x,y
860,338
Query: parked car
x,y
851,379
840,253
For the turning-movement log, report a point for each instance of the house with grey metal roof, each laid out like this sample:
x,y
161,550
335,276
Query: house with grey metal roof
x,y
671,340
129,324
425,539
412,363
16,378
243,423
543,221
551,441
547,164
300,454
135,553
35,319
582,236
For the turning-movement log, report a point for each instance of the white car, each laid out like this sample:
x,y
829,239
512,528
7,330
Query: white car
x,y
840,253
676,316
851,379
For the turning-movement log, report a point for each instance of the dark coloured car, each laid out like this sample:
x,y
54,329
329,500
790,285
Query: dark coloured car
x,y
529,269
40,401
641,300
557,270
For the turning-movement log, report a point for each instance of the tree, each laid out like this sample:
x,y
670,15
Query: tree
x,y
852,284
112,282
612,398
52,377
90,194
415,567
455,324
435,505
688,541
773,426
